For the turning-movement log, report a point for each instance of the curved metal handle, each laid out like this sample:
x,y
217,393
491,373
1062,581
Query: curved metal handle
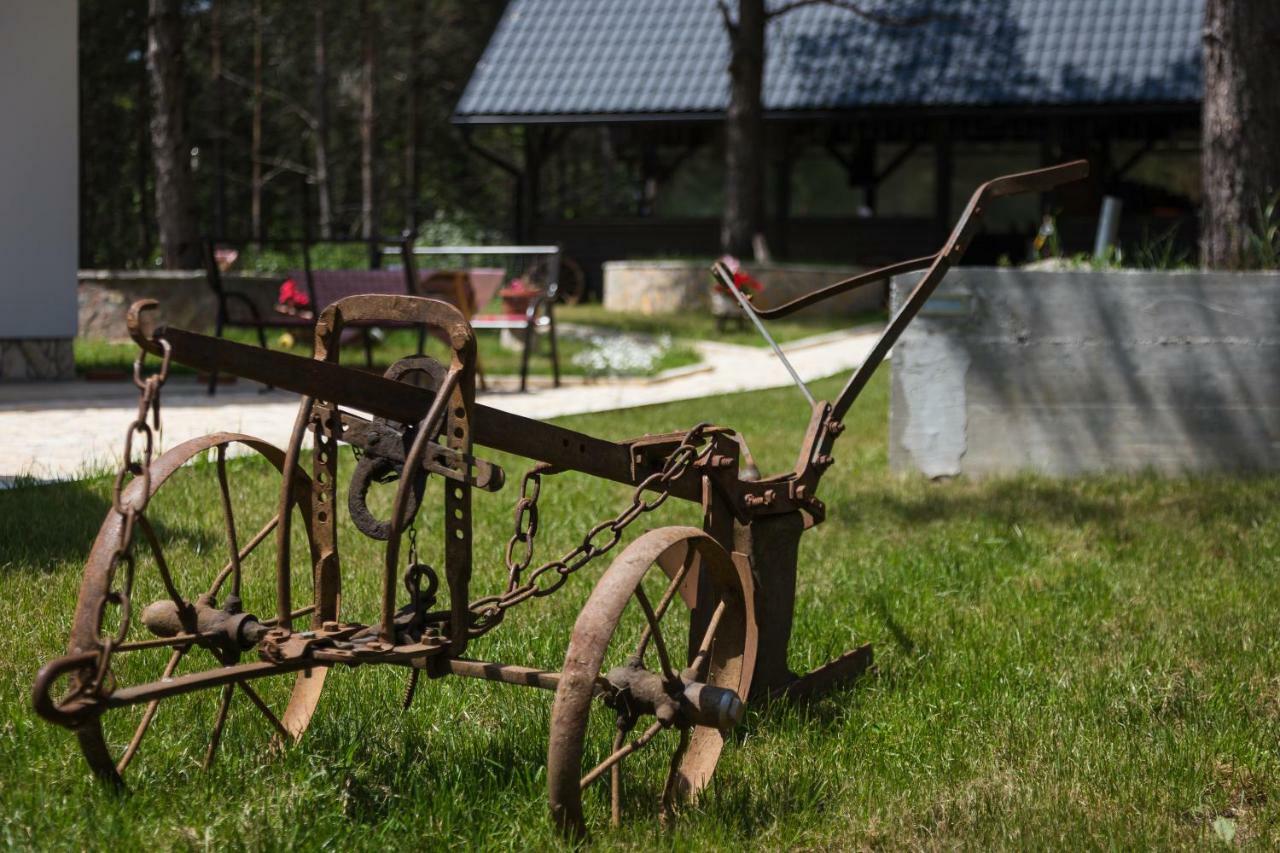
x,y
48,675
1037,180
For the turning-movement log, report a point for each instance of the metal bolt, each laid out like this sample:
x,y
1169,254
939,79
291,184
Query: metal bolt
x,y
835,428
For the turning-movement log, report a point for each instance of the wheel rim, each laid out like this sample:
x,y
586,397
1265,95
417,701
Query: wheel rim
x,y
111,749
723,644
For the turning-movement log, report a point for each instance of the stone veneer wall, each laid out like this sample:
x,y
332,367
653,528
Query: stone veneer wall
x,y
37,359
668,287
184,296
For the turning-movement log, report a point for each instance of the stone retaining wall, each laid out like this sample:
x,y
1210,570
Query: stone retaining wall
x,y
184,296
37,359
669,287
1072,372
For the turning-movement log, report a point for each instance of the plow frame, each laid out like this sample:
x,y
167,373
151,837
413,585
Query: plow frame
x,y
422,418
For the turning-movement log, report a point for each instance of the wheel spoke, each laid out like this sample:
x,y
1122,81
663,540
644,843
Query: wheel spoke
x,y
162,566
215,737
148,715
266,712
621,753
667,596
244,554
655,632
229,518
669,792
615,776
703,656
301,611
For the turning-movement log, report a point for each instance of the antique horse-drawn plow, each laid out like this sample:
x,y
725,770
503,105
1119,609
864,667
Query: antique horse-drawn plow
x,y
733,580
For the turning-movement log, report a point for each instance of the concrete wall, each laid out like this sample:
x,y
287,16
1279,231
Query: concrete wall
x,y
668,287
1070,372
38,182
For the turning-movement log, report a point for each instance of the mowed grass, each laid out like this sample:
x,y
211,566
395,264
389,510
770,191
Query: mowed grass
x,y
1061,664
95,356
700,325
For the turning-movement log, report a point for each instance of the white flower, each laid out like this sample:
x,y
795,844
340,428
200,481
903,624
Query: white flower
x,y
614,355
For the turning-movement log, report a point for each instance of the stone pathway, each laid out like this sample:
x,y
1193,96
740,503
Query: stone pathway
x,y
74,429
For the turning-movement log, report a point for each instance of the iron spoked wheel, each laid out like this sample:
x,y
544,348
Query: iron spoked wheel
x,y
239,562
634,627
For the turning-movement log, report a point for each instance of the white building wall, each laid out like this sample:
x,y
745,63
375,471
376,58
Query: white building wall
x,y
39,173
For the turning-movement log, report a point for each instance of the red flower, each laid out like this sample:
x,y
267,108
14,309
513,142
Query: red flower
x,y
292,295
742,280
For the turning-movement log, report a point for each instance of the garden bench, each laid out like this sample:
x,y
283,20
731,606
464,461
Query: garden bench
x,y
466,289
476,287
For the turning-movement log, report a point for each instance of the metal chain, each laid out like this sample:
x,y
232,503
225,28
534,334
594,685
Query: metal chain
x,y
488,612
131,469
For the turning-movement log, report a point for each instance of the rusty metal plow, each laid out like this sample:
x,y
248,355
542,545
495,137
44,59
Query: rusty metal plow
x,y
681,629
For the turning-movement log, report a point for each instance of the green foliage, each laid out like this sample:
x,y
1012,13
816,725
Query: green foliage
x,y
1163,252
1062,664
427,49
1264,239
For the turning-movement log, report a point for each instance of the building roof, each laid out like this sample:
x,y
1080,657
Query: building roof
x,y
617,59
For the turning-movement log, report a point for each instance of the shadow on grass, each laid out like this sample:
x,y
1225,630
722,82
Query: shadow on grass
x,y
1053,503
44,525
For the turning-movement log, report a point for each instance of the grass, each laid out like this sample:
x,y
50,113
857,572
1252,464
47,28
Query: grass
x,y
700,325
94,355
1088,663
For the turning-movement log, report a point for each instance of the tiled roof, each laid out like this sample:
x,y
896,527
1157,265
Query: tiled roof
x,y
608,57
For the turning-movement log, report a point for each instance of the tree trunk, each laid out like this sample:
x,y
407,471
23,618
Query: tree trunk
x,y
416,39
219,129
744,132
171,150
144,161
1241,125
255,141
321,134
368,186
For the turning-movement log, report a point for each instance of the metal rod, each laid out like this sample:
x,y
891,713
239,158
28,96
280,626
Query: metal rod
x,y
618,755
503,672
777,350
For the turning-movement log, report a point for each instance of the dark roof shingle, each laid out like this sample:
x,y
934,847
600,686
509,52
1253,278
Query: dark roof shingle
x,y
610,57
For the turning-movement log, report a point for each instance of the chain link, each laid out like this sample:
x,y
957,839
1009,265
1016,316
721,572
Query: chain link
x,y
545,579
121,565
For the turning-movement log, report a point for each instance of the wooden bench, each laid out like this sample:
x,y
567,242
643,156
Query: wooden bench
x,y
465,289
474,288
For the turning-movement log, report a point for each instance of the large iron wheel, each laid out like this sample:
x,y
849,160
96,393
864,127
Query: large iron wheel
x,y
237,567
624,636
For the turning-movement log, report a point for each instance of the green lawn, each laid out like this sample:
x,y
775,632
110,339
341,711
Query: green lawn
x,y
112,357
700,325
1073,664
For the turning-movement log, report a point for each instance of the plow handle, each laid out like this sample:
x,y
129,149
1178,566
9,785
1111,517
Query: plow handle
x,y
938,265
1040,180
